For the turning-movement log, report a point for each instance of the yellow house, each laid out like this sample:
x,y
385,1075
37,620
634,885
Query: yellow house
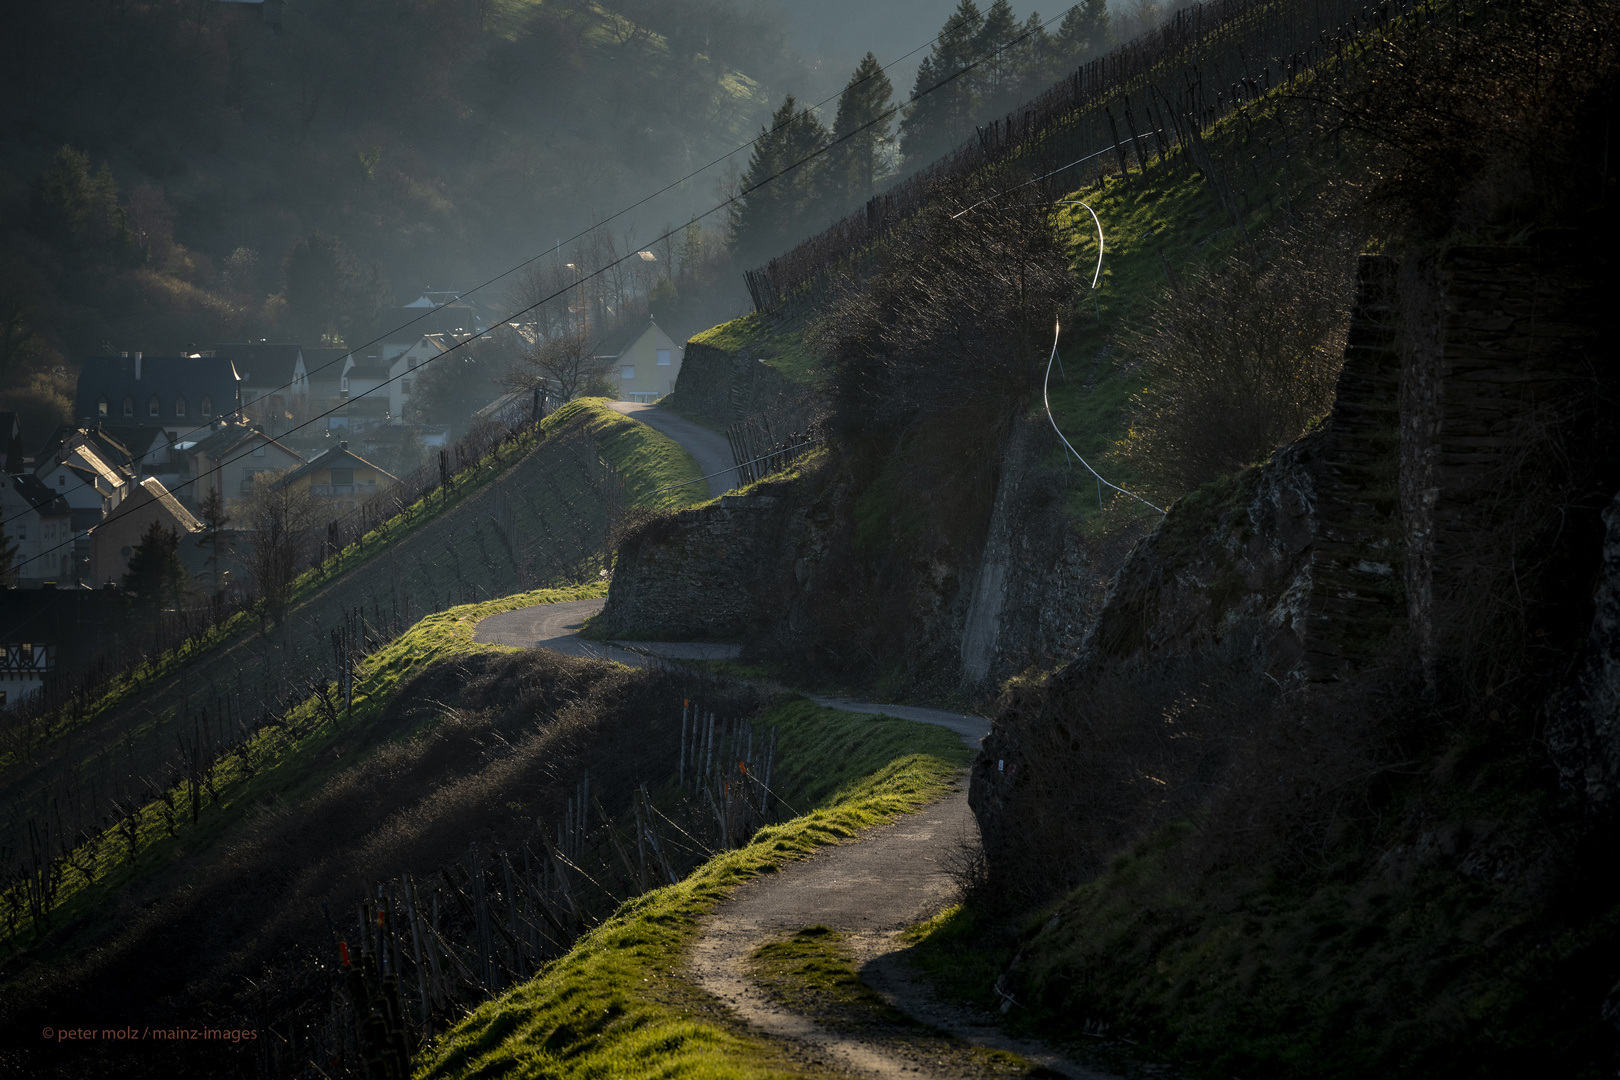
x,y
340,476
642,361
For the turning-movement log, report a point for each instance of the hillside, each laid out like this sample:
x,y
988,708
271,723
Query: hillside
x,y
437,144
1307,776
542,515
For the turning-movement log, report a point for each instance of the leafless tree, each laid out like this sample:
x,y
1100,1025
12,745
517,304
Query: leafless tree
x,y
564,364
280,517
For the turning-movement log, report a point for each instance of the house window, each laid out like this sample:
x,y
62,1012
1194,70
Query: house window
x,y
154,407
207,407
101,406
628,372
180,406
342,476
61,480
663,358
129,406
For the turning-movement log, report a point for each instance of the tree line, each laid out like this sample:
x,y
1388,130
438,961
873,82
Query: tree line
x,y
803,173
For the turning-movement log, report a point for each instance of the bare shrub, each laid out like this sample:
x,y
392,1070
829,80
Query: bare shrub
x,y
1497,118
279,517
565,362
948,319
1239,360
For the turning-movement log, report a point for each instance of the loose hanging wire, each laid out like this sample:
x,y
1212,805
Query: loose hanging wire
x,y
1046,399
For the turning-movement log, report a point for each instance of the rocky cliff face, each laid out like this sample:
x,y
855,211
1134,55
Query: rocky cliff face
x,y
1433,517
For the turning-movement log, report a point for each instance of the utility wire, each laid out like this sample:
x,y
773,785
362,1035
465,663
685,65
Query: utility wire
x,y
727,203
1056,329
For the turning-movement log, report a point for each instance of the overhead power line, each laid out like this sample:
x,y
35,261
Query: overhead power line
x,y
723,205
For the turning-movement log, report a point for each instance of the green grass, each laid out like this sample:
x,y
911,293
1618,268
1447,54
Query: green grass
x,y
619,1004
647,459
781,347
282,763
812,972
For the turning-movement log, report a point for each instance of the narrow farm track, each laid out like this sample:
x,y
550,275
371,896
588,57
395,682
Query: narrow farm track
x,y
870,890
711,450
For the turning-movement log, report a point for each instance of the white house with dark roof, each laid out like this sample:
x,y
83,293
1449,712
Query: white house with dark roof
x,y
82,472
40,523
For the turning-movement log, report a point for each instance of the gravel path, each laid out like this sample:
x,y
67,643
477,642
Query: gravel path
x,y
556,626
893,877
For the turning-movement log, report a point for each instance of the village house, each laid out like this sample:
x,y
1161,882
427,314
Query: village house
x,y
643,361
24,667
177,393
40,523
115,539
230,459
365,390
81,466
340,477
324,369
402,370
275,381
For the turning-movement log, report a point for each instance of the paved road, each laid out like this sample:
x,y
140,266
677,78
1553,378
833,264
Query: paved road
x,y
712,452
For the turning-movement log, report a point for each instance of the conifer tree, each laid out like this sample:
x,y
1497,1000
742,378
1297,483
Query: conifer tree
x,y
1084,33
941,110
155,575
995,77
780,191
861,131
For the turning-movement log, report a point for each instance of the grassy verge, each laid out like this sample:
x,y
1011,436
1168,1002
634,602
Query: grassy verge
x,y
618,1004
779,346
280,765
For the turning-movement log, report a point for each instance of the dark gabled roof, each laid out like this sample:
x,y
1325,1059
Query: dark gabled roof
x,y
40,497
222,442
621,339
107,443
324,365
169,378
262,363
137,437
340,457
368,371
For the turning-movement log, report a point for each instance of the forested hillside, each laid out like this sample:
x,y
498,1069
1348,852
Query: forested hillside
x,y
158,161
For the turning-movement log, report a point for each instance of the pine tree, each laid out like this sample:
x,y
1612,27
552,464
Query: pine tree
x,y
861,132
1083,34
215,519
780,190
941,110
155,575
1032,57
995,77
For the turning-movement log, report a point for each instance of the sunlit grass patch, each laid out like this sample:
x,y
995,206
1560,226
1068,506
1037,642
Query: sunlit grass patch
x,y
620,1004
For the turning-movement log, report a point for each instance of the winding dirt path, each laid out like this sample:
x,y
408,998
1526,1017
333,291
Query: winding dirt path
x,y
870,890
